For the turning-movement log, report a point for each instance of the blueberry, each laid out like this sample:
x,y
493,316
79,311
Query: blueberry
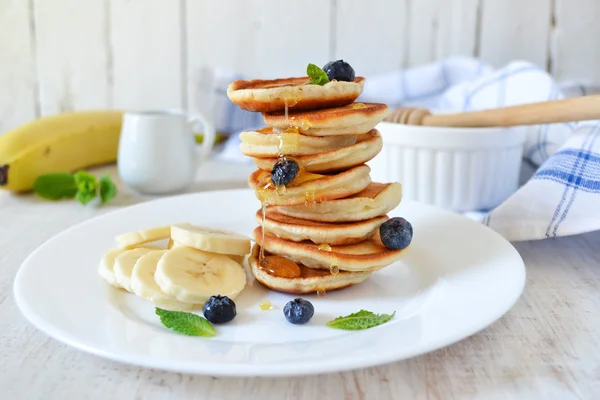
x,y
298,311
396,233
339,70
284,171
219,309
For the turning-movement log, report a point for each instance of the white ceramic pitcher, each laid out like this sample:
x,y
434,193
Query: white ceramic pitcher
x,y
158,152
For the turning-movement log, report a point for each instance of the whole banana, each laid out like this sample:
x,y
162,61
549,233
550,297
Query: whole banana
x,y
59,143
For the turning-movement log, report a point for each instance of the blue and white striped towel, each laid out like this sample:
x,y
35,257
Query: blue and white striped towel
x,y
561,198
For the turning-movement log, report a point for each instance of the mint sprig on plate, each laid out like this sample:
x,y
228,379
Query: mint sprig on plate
x,y
360,320
186,323
82,186
317,75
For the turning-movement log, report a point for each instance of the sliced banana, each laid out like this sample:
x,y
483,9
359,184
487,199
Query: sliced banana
x,y
209,239
143,236
144,285
237,258
106,268
192,276
124,264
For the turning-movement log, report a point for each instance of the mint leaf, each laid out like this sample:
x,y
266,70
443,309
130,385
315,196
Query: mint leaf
x,y
87,187
85,198
317,75
108,190
86,182
55,186
360,320
186,323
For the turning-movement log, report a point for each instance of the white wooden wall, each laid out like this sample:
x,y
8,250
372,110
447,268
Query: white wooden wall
x,y
58,55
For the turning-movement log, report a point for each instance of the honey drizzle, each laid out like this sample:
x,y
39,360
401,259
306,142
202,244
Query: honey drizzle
x,y
324,247
334,269
305,125
265,305
263,200
310,198
321,292
280,266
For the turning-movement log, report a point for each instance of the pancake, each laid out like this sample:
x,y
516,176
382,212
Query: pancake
x,y
298,230
344,120
370,255
313,190
375,200
266,143
310,281
366,148
272,95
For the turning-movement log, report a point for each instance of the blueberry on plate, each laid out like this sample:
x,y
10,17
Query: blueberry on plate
x,y
396,233
298,311
219,309
339,70
284,171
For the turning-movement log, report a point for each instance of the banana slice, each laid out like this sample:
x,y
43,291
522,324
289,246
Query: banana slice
x,y
106,268
209,239
144,285
237,258
124,264
192,276
143,236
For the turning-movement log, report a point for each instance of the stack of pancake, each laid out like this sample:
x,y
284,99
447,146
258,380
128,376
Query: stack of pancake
x,y
320,232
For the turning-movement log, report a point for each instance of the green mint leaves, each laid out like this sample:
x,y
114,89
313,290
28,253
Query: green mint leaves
x,y
108,190
82,186
317,75
186,323
87,187
55,186
360,320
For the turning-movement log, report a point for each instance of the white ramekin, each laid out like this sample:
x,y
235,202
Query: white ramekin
x,y
460,169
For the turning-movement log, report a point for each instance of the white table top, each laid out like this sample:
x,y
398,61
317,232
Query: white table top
x,y
546,347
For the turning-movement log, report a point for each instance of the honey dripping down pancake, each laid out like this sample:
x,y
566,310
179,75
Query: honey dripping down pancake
x,y
370,255
307,281
321,218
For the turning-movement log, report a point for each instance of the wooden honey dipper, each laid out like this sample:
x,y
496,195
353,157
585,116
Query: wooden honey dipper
x,y
546,112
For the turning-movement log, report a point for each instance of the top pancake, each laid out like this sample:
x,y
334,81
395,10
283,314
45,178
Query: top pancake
x,y
353,118
272,95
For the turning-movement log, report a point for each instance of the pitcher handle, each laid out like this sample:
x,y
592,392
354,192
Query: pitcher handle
x,y
208,135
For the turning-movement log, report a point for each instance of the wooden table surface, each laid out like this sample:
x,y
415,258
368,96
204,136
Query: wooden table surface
x,y
546,347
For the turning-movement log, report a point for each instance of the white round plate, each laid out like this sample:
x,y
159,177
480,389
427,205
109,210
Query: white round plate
x,y
457,278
